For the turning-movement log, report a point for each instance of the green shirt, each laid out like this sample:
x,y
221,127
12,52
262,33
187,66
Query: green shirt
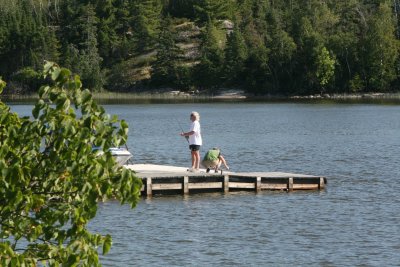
x,y
212,154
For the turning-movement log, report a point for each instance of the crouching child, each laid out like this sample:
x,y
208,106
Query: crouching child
x,y
213,160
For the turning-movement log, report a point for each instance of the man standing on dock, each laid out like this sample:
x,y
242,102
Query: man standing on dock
x,y
195,140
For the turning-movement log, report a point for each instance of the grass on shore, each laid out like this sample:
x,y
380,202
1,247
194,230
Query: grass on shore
x,y
179,97
116,97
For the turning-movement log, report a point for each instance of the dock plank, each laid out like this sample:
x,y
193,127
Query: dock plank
x,y
210,185
167,187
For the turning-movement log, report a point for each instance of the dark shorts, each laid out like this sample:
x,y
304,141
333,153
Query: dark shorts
x,y
194,147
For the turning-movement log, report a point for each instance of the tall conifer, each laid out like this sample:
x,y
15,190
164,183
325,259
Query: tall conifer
x,y
168,53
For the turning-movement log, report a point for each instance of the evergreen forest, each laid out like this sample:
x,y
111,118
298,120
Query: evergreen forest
x,y
266,47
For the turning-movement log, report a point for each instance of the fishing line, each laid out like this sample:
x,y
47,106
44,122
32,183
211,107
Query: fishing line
x,y
186,137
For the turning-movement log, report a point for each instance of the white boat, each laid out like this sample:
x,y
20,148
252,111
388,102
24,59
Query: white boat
x,y
121,155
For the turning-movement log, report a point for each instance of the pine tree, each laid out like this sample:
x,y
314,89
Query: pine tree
x,y
146,23
213,9
208,71
107,36
282,51
344,43
252,22
26,38
182,8
381,50
164,68
235,55
125,45
90,61
79,45
257,71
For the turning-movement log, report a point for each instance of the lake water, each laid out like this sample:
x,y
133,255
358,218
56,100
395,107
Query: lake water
x,y
354,222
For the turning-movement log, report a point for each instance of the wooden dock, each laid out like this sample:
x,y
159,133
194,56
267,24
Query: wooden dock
x,y
162,179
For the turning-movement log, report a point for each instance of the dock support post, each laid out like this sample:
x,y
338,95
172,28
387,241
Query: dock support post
x,y
258,184
149,187
225,184
321,183
185,185
290,184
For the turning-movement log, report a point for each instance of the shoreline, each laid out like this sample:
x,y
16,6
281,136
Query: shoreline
x,y
222,95
351,96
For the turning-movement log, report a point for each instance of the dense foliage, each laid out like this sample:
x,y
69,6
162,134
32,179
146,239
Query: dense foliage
x,y
265,46
51,179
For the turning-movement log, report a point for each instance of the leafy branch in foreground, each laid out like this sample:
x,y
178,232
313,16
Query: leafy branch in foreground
x,y
51,179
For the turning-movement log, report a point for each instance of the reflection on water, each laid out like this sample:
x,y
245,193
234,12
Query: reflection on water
x,y
354,222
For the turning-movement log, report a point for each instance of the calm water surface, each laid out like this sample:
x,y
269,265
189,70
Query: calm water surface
x,y
354,222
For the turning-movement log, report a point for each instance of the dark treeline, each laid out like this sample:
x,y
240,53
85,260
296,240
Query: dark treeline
x,y
265,46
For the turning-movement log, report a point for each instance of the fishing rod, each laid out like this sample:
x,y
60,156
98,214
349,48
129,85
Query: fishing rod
x,y
186,137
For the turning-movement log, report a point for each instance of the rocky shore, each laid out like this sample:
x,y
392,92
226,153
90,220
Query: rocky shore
x,y
351,96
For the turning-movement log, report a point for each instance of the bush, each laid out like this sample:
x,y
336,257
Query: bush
x,y
51,179
26,80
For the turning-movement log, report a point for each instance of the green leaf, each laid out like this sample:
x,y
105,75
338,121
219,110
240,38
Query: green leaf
x,y
43,91
72,260
2,85
107,244
86,96
78,82
56,72
63,75
47,66
124,125
14,262
66,104
36,110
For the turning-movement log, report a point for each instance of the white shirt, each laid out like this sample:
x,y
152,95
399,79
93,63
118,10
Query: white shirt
x,y
195,139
